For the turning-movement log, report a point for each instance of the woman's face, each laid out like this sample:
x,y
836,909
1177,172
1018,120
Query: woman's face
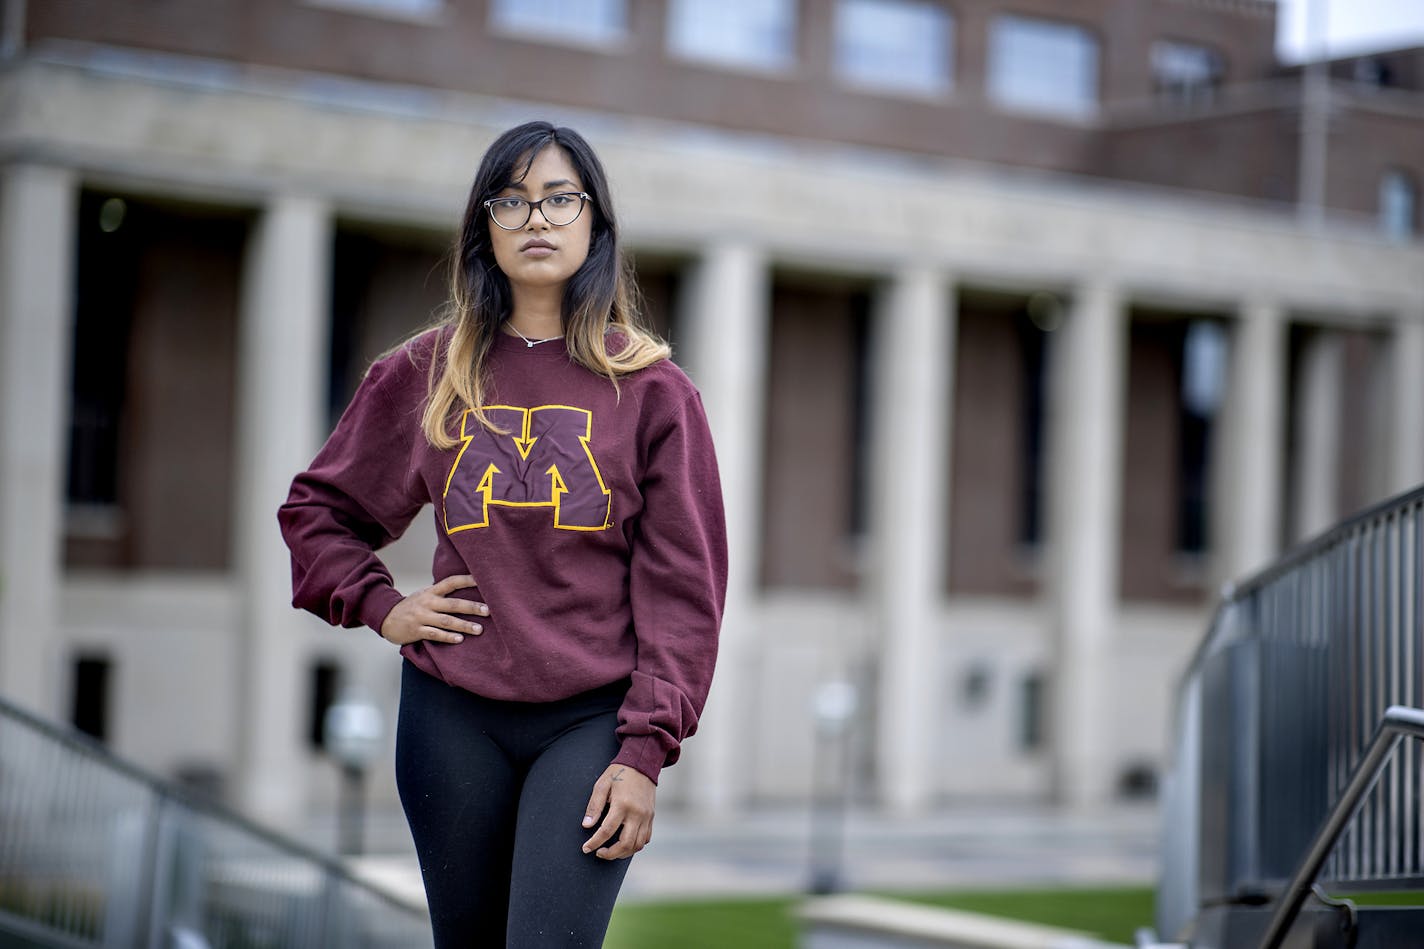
x,y
541,255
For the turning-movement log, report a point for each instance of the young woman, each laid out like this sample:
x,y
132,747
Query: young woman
x,y
566,647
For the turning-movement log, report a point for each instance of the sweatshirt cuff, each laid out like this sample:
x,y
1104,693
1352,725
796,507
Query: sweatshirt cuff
x,y
377,605
644,754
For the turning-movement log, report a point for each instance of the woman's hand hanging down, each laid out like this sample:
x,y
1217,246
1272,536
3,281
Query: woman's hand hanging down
x,y
432,613
628,795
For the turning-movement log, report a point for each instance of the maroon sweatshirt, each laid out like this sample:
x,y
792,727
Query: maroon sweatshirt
x,y
594,529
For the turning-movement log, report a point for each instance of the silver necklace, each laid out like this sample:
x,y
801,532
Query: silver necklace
x,y
531,343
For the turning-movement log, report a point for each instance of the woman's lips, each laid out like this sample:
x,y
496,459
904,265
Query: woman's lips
x,y
536,248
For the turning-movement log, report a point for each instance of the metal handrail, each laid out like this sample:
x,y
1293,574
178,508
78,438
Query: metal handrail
x,y
81,744
164,859
1397,723
1308,550
1339,619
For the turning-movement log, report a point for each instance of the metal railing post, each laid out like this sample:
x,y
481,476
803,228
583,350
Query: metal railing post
x,y
126,919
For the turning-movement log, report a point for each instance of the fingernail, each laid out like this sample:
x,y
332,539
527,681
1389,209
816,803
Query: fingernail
x,y
588,821
476,628
458,638
585,850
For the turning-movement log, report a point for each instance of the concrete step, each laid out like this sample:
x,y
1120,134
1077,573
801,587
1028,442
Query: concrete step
x,y
867,922
1319,927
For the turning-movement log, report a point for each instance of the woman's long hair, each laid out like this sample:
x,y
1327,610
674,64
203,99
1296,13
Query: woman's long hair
x,y
600,297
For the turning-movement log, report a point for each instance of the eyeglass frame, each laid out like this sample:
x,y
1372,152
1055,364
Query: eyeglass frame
x,y
533,205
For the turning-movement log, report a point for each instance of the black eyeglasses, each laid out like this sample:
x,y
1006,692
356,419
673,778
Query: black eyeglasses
x,y
512,213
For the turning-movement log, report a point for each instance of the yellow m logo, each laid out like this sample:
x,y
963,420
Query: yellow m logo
x,y
544,462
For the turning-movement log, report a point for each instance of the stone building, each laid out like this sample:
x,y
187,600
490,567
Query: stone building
x,y
1022,325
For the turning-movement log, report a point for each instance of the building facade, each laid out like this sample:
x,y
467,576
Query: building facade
x,y
1014,338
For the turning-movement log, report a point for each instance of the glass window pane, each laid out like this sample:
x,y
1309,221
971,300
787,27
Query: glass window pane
x,y
562,20
1185,71
757,33
1203,387
1397,200
1043,66
1204,355
895,44
418,9
1373,71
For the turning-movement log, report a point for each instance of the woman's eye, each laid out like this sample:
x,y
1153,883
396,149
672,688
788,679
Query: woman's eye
x,y
561,200
509,204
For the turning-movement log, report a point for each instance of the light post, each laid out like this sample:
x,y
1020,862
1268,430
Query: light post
x,y
833,707
352,730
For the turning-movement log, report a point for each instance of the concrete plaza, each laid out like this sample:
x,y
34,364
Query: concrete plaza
x,y
767,851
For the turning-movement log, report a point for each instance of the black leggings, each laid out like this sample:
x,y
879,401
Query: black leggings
x,y
495,794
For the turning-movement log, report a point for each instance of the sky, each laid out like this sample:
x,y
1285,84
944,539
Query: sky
x,y
1351,26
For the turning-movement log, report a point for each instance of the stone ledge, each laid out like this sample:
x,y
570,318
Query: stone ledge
x,y
865,922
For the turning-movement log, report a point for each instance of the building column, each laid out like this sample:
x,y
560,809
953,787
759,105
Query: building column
x,y
727,313
914,366
1086,436
1406,434
38,214
1316,465
1251,483
282,372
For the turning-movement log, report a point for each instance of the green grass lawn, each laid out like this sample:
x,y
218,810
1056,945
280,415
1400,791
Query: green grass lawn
x,y
1111,913
768,923
704,924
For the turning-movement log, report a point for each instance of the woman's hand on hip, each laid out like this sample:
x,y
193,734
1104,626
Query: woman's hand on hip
x,y
432,613
628,795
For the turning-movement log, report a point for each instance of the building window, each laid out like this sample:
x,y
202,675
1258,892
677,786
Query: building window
x,y
815,512
1043,66
1373,71
750,33
1186,72
89,705
563,21
1043,315
99,381
1204,355
393,9
898,45
386,284
997,422
323,683
1398,203
1032,713
155,320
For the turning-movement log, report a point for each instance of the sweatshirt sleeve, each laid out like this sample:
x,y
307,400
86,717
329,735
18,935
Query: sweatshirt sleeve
x,y
359,494
678,587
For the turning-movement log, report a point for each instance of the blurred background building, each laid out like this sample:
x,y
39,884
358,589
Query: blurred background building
x,y
1023,325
